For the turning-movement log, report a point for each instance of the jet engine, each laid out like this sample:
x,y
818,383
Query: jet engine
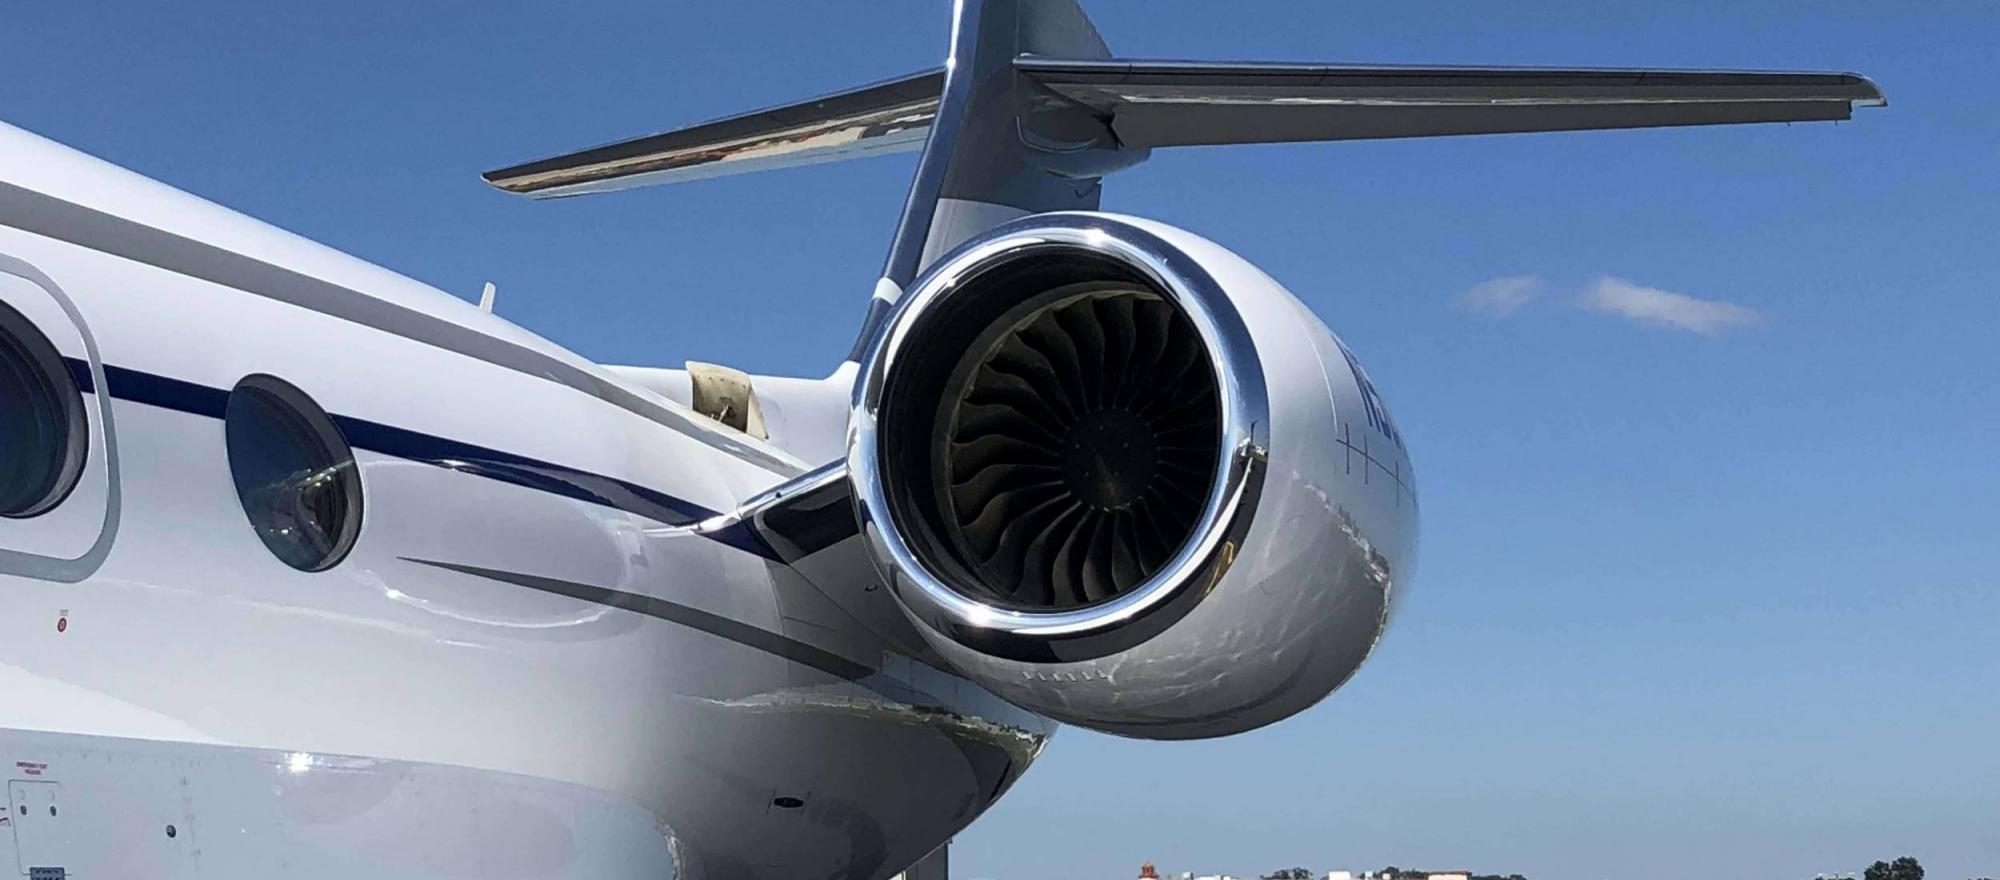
x,y
1122,478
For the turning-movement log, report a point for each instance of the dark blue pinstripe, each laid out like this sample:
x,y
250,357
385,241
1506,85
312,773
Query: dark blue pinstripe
x,y
154,390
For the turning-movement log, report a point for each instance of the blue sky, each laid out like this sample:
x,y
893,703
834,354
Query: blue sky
x,y
1714,602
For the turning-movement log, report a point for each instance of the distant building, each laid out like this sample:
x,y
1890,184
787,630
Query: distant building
x,y
1450,875
936,866
1340,875
1148,872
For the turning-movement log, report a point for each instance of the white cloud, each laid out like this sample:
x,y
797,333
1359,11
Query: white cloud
x,y
1665,308
1499,297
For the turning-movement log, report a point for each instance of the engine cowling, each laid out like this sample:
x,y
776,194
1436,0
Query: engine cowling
x,y
1122,478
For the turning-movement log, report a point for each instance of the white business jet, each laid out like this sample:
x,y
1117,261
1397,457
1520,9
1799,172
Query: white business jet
x,y
309,570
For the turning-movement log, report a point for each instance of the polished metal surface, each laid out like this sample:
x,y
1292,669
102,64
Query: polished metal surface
x,y
1295,563
1149,607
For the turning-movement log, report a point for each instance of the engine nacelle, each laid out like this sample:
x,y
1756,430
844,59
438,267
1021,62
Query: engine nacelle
x,y
1122,478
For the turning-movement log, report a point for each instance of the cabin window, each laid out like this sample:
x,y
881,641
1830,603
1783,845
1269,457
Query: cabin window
x,y
43,436
294,473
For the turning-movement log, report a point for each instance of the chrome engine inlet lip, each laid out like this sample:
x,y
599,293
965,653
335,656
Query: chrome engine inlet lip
x,y
1154,604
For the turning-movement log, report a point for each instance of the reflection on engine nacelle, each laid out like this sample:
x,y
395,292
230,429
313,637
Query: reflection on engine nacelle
x,y
1121,477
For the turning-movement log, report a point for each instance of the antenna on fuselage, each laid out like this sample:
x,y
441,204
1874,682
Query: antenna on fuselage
x,y
486,298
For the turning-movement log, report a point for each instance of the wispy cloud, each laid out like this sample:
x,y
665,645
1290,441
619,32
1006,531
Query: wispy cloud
x,y
1499,297
1665,308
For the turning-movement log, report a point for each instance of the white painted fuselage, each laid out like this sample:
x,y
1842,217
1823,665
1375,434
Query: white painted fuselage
x,y
545,656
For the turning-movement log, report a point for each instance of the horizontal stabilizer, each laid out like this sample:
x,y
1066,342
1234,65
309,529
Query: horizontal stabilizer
x,y
1031,111
1149,104
1178,103
892,116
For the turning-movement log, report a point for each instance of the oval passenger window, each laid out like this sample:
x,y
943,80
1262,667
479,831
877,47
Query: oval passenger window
x,y
43,435
294,473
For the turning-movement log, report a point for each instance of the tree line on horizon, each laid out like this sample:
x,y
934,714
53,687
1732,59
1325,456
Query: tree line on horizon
x,y
1903,868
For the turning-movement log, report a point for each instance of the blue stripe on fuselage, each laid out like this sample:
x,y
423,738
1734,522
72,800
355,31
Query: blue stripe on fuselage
x,y
194,399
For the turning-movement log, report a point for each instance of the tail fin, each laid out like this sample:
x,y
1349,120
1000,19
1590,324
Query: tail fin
x,y
1030,112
